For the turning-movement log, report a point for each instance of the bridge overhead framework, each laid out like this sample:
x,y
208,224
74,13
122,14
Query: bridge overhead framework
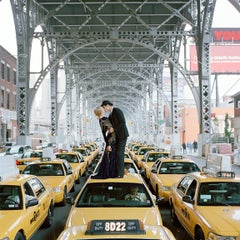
x,y
114,50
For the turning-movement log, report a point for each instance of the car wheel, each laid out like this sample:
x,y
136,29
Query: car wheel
x,y
64,201
73,188
156,191
19,236
78,179
49,218
173,215
199,234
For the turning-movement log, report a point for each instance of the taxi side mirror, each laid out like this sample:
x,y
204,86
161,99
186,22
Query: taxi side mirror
x,y
69,172
153,170
187,198
70,200
32,202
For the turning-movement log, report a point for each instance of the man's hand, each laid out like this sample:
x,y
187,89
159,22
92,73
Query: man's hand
x,y
111,130
109,148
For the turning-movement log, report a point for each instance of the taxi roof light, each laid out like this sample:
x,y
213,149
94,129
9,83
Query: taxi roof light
x,y
45,159
225,174
176,157
219,174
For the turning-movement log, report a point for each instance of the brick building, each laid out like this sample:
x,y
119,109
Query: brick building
x,y
8,96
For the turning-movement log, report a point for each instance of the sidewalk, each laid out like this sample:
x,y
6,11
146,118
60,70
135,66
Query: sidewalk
x,y
201,161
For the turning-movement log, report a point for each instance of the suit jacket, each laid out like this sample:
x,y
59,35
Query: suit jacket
x,y
119,124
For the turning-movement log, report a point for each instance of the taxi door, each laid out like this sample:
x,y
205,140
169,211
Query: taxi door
x,y
41,210
31,212
187,210
179,204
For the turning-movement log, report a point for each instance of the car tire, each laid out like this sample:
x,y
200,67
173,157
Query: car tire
x,y
64,201
73,188
199,234
173,216
156,191
78,179
49,219
19,236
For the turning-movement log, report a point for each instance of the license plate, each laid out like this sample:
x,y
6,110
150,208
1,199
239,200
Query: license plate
x,y
115,227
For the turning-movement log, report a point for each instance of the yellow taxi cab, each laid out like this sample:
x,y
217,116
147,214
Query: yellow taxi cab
x,y
130,145
141,152
93,148
168,172
115,199
134,149
87,155
207,205
28,157
26,203
126,229
57,173
148,160
76,161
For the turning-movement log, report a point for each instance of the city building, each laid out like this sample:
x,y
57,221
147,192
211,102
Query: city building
x,y
8,95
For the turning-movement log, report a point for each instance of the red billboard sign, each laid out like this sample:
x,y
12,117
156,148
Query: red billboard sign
x,y
226,35
223,59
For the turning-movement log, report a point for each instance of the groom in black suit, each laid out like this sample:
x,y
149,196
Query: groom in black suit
x,y
117,119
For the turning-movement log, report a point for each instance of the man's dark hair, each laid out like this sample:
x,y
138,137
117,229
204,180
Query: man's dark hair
x,y
106,102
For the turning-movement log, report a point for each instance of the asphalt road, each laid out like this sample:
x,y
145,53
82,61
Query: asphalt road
x,y
61,214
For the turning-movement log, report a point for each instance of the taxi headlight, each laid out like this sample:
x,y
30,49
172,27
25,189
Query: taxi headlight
x,y
213,236
166,188
57,189
5,238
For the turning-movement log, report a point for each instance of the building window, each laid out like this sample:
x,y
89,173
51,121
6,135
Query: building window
x,y
15,101
14,77
2,70
2,98
238,103
8,100
8,73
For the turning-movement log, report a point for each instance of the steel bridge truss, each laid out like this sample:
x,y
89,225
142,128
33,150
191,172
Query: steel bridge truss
x,y
116,50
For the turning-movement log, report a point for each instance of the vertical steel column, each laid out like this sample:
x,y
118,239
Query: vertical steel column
x,y
23,47
160,104
77,110
68,100
52,50
204,22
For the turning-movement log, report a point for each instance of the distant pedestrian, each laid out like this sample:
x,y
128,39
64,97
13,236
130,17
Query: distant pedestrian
x,y
195,146
184,148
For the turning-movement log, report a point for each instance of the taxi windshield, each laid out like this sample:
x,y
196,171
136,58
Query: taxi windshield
x,y
114,195
44,169
178,168
219,194
10,197
68,157
154,157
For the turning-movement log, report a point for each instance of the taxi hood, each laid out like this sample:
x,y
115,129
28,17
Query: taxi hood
x,y
10,218
53,181
226,221
169,179
80,216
